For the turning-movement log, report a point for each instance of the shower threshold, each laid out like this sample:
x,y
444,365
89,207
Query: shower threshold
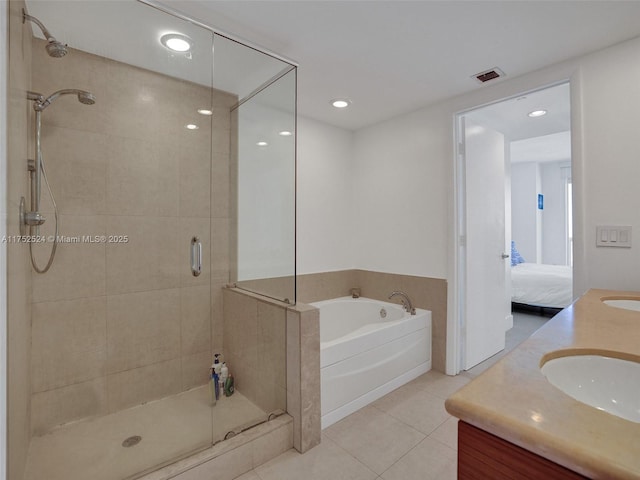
x,y
106,448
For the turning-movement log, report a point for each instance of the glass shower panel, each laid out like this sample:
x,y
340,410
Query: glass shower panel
x,y
122,325
263,139
265,153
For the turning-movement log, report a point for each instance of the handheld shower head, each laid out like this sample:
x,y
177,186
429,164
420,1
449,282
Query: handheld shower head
x,y
84,97
54,48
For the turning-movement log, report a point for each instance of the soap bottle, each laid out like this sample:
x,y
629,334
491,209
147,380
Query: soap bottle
x,y
214,386
228,386
224,373
215,379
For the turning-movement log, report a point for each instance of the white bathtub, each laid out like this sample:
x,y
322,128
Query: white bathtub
x,y
367,349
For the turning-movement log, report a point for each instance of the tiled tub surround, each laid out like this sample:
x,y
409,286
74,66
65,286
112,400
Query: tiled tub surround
x,y
119,324
514,401
427,293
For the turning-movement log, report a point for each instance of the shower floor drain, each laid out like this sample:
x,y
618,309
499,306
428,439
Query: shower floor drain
x,y
131,441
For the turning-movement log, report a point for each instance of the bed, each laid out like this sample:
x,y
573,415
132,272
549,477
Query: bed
x,y
541,285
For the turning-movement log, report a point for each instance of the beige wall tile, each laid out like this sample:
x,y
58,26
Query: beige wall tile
x,y
218,284
76,165
151,258
293,375
195,369
195,315
189,228
241,327
139,385
195,182
78,269
272,363
219,246
142,329
62,405
142,177
18,266
272,444
220,188
69,343
323,286
310,379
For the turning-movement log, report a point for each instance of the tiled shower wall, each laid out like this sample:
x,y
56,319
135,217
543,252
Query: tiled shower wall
x,y
425,292
118,324
18,266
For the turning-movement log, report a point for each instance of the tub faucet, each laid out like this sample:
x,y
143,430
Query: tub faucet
x,y
404,298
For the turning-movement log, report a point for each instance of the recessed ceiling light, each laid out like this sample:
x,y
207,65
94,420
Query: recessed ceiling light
x,y
285,133
191,126
262,144
176,42
340,102
205,111
537,113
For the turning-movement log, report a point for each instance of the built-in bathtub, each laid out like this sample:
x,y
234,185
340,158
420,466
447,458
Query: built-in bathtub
x,y
367,349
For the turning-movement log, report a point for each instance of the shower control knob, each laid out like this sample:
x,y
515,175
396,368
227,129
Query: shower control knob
x,y
33,218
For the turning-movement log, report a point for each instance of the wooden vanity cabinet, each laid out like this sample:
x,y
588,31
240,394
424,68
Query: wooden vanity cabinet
x,y
483,456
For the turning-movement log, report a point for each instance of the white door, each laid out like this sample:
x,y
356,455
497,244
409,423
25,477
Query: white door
x,y
486,306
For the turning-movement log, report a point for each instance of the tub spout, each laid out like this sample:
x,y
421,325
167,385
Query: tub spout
x,y
404,298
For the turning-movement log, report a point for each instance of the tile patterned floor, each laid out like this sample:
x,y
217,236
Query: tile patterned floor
x,y
405,435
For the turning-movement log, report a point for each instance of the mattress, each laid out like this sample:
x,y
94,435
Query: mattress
x,y
542,285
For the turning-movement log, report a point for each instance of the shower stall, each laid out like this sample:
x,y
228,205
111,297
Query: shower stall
x,y
171,178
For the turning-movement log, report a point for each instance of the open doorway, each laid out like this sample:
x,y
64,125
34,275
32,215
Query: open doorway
x,y
515,234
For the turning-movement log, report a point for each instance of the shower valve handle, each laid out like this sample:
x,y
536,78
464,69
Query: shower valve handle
x,y
33,219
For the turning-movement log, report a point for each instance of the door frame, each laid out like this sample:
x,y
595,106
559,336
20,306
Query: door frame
x,y
455,322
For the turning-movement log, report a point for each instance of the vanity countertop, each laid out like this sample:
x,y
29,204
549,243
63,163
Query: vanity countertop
x,y
514,401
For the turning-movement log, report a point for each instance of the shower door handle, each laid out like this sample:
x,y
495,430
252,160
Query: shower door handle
x,y
196,256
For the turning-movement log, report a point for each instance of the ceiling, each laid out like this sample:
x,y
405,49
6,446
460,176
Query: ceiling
x,y
388,57
391,57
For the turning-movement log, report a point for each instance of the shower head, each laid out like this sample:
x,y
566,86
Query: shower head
x,y
84,97
54,48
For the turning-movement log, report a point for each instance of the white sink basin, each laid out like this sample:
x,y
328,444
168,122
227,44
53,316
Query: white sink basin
x,y
627,303
606,383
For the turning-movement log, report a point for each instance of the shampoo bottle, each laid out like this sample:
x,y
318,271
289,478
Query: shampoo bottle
x,y
228,386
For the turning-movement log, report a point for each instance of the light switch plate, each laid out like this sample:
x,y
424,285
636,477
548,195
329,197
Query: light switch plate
x,y
613,236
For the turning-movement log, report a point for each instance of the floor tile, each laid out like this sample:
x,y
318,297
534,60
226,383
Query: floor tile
x,y
325,461
413,405
251,475
430,460
441,385
374,437
447,433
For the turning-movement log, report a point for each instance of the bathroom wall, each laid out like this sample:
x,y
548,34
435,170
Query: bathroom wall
x,y
554,216
337,186
526,225
326,198
414,153
118,324
18,267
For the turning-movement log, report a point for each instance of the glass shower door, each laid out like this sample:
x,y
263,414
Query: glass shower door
x,y
122,322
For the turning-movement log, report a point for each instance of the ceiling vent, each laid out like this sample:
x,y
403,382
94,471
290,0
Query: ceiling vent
x,y
487,75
